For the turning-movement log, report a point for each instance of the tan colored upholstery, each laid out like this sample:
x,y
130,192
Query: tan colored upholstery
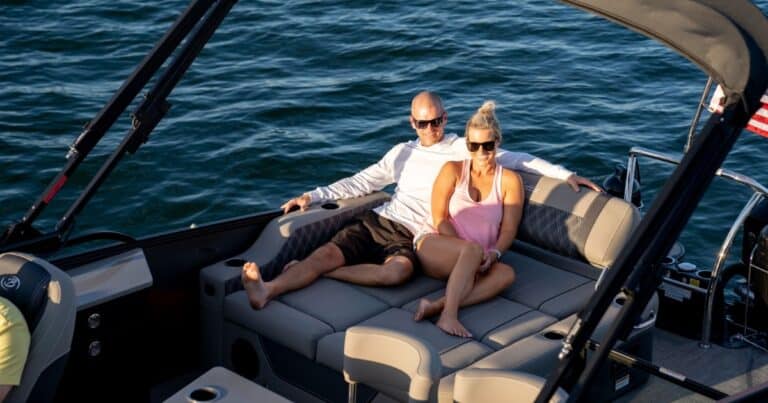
x,y
585,224
391,362
489,386
610,232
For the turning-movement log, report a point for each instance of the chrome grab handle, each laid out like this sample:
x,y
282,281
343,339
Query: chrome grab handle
x,y
647,323
706,326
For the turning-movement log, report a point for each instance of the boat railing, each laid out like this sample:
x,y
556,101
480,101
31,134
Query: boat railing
x,y
759,192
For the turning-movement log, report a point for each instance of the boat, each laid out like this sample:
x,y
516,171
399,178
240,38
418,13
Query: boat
x,y
164,317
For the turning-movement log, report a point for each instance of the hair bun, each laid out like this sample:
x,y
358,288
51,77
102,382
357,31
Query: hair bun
x,y
487,107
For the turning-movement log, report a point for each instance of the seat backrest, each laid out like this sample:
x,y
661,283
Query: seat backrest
x,y
46,297
399,365
494,385
585,225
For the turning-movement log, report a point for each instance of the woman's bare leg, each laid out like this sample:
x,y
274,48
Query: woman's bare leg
x,y
437,252
487,285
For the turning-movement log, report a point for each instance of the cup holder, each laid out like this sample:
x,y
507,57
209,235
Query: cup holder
x,y
668,261
705,274
205,394
235,262
329,206
553,335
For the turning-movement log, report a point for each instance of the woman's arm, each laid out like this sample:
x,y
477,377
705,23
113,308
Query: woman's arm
x,y
442,191
512,188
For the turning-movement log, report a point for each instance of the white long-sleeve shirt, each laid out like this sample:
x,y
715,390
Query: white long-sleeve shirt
x,y
414,168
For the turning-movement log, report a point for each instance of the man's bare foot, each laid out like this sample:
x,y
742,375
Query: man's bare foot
x,y
258,295
452,326
426,309
289,265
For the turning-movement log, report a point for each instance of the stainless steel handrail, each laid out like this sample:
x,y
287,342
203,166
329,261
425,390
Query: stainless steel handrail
x,y
706,326
725,173
696,116
760,192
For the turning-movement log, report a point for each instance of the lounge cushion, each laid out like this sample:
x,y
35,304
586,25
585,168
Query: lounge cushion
x,y
414,288
481,318
335,303
537,282
278,322
518,328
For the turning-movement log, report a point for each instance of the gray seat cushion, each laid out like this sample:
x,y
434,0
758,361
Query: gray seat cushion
x,y
278,322
482,318
518,328
414,288
537,282
338,304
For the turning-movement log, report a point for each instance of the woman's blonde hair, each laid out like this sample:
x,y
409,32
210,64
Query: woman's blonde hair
x,y
484,119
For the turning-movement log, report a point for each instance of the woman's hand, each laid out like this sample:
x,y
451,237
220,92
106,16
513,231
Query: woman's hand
x,y
490,257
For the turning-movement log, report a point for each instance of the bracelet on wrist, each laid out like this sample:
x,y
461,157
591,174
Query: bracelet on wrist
x,y
497,252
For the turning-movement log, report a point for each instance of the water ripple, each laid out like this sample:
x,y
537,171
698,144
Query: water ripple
x,y
290,95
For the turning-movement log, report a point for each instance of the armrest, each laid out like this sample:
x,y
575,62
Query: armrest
x,y
394,363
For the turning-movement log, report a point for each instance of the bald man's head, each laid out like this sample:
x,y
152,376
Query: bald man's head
x,y
428,117
426,99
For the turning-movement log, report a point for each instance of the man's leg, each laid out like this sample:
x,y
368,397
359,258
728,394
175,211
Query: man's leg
x,y
395,270
487,285
301,274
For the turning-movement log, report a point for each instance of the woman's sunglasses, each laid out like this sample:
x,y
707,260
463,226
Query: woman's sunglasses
x,y
423,124
487,146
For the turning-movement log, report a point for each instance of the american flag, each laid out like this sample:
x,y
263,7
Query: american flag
x,y
759,121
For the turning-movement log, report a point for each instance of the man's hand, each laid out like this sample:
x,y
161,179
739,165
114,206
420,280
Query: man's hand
x,y
576,180
302,202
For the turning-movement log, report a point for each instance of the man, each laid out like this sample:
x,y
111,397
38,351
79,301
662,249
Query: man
x,y
376,248
14,346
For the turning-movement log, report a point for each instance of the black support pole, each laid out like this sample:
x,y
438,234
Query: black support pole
x,y
95,130
152,110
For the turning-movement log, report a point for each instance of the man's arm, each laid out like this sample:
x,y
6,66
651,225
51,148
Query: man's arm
x,y
527,162
369,180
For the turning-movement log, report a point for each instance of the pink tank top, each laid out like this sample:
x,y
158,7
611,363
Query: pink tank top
x,y
477,221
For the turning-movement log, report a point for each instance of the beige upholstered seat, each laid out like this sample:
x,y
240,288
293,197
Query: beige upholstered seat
x,y
490,386
391,362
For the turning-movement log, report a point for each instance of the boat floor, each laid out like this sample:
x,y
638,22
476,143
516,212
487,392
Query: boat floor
x,y
728,370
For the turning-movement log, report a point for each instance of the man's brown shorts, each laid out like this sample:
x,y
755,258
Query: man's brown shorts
x,y
371,238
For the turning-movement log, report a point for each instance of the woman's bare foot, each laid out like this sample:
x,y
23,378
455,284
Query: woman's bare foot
x,y
452,326
258,295
426,309
289,265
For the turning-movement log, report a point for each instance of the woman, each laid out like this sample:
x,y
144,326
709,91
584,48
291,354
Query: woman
x,y
476,209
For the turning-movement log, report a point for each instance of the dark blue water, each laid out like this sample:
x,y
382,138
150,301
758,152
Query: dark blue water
x,y
290,95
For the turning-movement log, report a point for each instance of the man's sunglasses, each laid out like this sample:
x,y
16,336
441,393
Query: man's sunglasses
x,y
423,124
487,146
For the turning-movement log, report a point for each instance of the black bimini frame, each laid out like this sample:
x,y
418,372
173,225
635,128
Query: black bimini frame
x,y
728,40
206,15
